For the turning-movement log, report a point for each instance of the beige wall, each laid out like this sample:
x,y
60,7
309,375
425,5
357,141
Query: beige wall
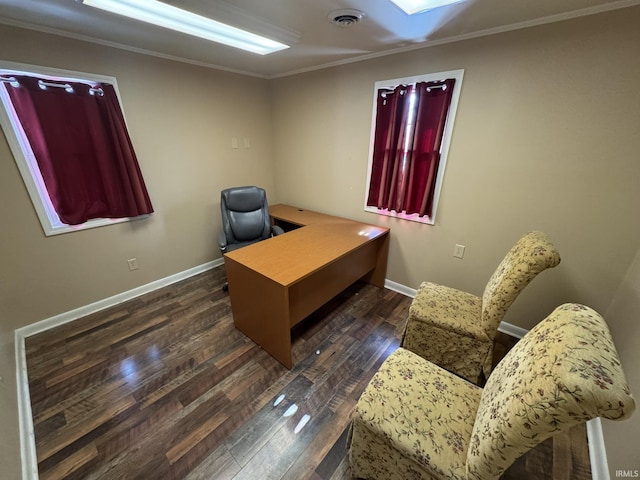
x,y
181,119
546,138
622,437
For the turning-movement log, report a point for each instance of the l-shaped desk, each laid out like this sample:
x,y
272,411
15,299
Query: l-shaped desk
x,y
276,283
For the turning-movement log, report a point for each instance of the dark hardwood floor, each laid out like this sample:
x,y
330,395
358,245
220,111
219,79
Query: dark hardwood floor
x,y
164,387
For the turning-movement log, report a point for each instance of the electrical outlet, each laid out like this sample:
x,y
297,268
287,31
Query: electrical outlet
x,y
133,264
458,251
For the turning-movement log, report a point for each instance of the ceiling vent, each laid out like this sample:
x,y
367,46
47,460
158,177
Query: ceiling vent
x,y
346,17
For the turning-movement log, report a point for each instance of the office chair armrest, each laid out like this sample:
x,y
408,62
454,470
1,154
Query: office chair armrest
x,y
222,241
276,230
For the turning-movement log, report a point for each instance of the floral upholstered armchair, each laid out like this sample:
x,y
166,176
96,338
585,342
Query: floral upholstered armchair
x,y
455,329
416,420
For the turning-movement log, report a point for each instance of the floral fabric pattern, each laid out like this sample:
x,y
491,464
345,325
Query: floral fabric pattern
x,y
413,421
456,329
416,420
565,371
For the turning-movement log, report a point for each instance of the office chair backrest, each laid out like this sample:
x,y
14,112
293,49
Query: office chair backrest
x,y
563,372
532,254
245,215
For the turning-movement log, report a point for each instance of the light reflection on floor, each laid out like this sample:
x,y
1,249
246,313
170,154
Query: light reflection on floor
x,y
291,411
129,370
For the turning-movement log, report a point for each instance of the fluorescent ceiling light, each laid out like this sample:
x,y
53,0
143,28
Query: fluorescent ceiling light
x,y
168,16
418,6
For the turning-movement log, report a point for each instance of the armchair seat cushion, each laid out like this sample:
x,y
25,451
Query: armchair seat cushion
x,y
444,327
415,419
448,308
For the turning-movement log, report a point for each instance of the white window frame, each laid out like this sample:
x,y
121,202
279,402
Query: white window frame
x,y
444,148
24,157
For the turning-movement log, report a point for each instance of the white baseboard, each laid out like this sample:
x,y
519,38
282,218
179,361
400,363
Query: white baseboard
x,y
597,451
66,317
513,330
25,418
27,434
398,287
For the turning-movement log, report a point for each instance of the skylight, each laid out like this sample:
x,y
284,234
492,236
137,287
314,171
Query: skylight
x,y
418,6
168,16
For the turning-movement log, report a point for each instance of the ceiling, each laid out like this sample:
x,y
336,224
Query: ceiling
x,y
315,41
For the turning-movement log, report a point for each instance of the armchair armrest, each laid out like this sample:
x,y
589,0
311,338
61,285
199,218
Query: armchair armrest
x,y
276,230
222,241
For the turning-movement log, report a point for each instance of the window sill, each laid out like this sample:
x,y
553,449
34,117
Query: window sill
x,y
401,215
97,222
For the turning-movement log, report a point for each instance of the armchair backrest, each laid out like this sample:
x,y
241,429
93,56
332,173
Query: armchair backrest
x,y
245,214
532,254
565,371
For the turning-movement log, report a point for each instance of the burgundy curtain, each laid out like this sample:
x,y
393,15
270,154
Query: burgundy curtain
x,y
82,148
391,129
413,188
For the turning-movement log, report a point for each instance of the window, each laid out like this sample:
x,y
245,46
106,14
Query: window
x,y
411,131
68,136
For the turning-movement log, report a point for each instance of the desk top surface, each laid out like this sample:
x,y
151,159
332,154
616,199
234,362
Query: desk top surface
x,y
292,256
302,217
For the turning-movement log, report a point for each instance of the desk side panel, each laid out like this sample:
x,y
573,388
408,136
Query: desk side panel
x,y
379,274
260,310
313,291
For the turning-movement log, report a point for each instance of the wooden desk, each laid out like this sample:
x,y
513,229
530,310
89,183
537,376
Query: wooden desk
x,y
276,283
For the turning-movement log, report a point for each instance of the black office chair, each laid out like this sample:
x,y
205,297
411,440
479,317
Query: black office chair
x,y
245,219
